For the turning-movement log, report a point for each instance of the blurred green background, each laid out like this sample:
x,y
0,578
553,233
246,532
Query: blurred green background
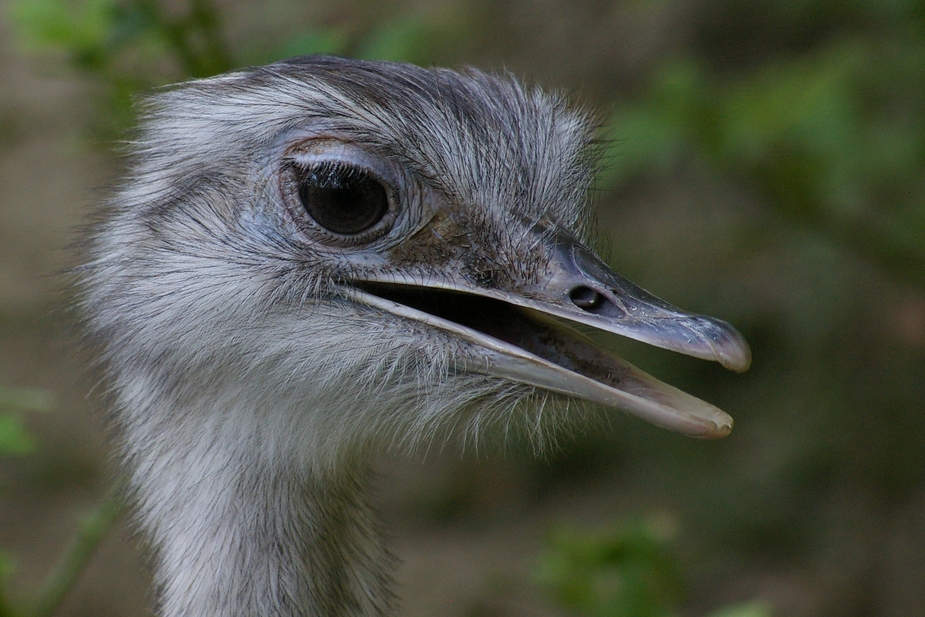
x,y
766,165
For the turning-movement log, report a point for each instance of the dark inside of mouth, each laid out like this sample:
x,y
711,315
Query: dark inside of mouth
x,y
511,324
487,315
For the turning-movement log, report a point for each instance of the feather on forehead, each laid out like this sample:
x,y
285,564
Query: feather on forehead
x,y
479,138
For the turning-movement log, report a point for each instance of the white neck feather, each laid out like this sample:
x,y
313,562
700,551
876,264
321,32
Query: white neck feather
x,y
241,530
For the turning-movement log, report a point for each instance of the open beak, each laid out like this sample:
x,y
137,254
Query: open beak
x,y
522,341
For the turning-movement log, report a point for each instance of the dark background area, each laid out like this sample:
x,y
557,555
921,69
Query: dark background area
x,y
765,164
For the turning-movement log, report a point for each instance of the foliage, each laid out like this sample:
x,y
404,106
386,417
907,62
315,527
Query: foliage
x,y
824,137
14,438
92,529
129,46
624,572
628,570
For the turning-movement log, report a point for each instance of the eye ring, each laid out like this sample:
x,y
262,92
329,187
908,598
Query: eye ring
x,y
344,201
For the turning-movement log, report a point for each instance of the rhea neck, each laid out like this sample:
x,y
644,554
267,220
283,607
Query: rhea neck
x,y
243,528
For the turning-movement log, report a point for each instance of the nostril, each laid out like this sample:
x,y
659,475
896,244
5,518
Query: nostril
x,y
586,298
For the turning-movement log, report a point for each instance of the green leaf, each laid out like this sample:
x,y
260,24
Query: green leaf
x,y
82,28
14,439
622,572
749,609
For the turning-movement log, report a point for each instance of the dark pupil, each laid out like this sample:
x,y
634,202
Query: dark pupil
x,y
343,199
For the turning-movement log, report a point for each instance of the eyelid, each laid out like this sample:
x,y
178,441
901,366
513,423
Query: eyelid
x,y
312,151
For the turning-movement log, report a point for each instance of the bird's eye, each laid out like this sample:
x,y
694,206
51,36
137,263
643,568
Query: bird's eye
x,y
342,198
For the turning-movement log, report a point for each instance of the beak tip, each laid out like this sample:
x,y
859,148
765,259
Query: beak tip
x,y
740,360
733,352
723,430
716,430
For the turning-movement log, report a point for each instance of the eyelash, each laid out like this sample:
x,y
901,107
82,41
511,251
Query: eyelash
x,y
328,174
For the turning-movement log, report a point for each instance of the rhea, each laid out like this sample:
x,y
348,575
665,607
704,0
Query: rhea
x,y
320,259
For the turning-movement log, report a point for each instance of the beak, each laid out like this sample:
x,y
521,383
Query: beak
x,y
520,338
580,287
